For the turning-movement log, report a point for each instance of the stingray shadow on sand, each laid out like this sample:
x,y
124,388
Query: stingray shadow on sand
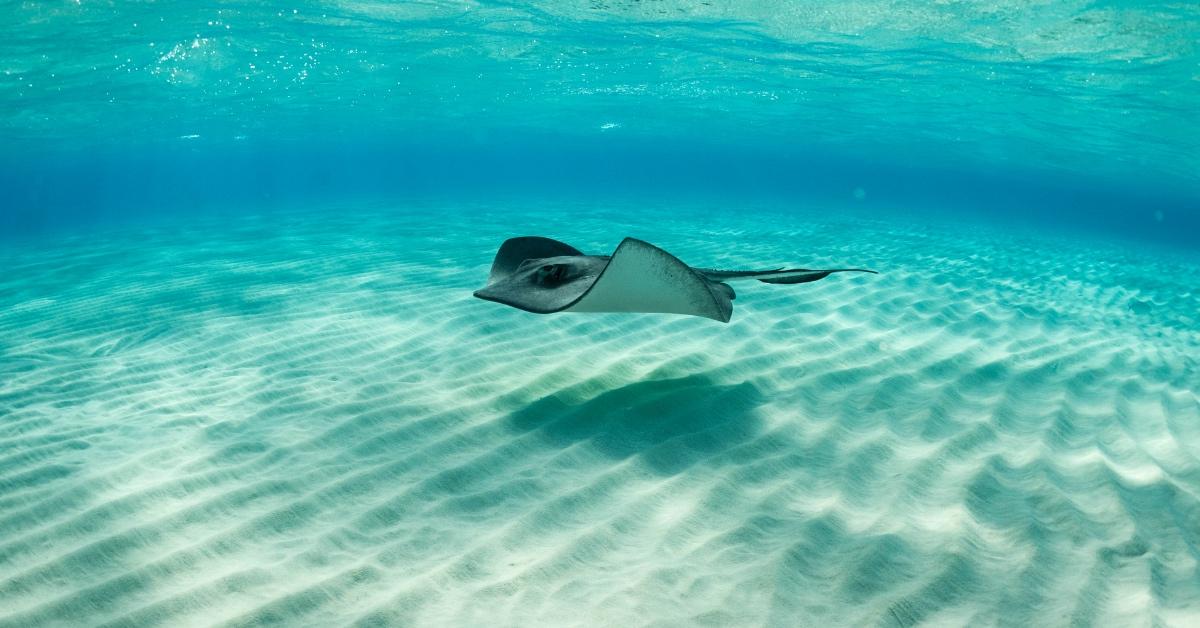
x,y
671,423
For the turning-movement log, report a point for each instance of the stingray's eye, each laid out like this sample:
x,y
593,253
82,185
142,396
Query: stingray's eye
x,y
551,273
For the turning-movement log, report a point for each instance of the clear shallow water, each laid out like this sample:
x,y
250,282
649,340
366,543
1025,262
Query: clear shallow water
x,y
1067,85
243,381
960,103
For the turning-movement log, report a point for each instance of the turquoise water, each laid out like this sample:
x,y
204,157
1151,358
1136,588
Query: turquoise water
x,y
243,380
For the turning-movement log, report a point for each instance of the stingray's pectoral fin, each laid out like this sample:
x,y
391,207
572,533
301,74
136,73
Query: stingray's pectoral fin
x,y
723,288
641,277
515,251
805,276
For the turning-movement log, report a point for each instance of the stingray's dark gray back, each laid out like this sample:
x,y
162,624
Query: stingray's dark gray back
x,y
516,250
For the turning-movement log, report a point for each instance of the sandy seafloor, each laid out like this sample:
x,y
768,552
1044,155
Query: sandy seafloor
x,y
305,418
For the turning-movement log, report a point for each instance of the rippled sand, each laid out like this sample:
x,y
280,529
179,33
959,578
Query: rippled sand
x,y
308,420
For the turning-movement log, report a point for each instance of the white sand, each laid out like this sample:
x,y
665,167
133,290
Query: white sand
x,y
309,420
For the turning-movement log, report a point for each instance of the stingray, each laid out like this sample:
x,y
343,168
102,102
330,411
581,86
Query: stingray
x,y
546,276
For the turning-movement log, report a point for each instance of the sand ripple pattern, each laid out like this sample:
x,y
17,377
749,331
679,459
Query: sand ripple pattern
x,y
306,419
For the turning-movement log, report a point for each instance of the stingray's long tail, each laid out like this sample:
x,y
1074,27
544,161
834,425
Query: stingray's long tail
x,y
778,275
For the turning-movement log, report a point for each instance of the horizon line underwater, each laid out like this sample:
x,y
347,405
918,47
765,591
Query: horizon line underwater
x,y
368,313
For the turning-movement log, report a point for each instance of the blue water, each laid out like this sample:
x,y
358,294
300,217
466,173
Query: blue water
x,y
243,380
1066,110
